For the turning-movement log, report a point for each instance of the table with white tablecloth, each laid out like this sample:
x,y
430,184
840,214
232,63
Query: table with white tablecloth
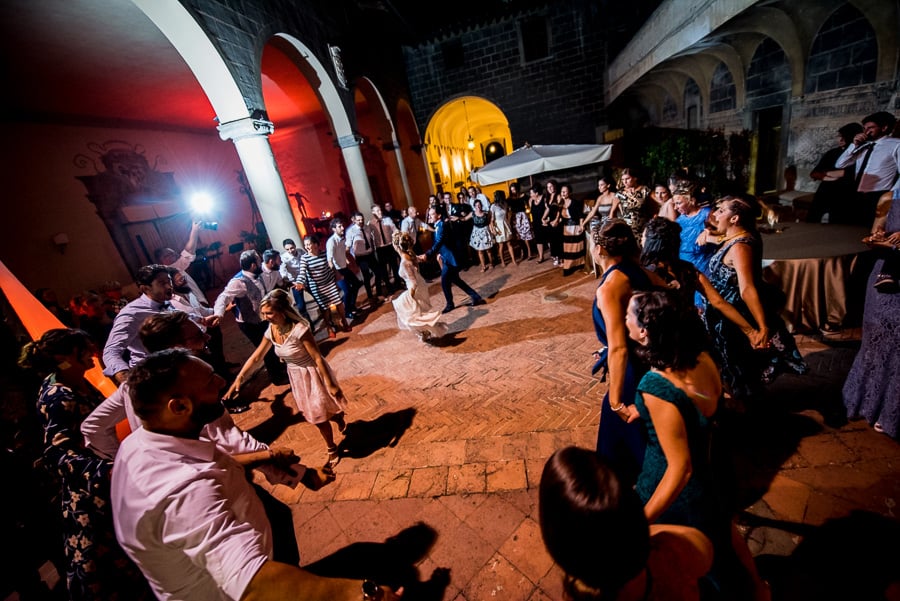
x,y
814,263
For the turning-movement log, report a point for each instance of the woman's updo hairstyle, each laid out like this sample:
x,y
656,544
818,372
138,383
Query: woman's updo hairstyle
x,y
746,208
41,354
616,238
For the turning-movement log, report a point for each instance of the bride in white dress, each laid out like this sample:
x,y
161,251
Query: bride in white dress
x,y
413,307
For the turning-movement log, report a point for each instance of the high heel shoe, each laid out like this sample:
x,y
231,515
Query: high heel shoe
x,y
334,456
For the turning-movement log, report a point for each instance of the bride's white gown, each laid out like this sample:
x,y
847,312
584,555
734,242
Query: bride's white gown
x,y
413,307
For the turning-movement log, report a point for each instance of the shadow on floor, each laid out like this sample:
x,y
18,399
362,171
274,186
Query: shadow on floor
x,y
281,419
362,438
391,563
853,557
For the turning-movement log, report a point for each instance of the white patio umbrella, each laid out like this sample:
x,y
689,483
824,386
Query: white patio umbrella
x,y
530,160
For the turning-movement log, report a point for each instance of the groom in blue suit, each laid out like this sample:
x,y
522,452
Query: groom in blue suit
x,y
444,242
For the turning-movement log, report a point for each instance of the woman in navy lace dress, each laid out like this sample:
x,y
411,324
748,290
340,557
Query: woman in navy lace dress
x,y
96,567
872,389
735,271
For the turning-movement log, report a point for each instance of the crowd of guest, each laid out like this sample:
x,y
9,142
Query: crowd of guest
x,y
688,329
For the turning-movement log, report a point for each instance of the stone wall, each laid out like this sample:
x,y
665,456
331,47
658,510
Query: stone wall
x,y
557,99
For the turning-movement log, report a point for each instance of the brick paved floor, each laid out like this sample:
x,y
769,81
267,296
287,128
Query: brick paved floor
x,y
454,436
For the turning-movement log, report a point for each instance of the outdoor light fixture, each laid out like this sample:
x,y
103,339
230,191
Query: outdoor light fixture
x,y
471,141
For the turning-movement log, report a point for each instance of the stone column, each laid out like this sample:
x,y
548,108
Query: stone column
x,y
401,167
356,171
251,139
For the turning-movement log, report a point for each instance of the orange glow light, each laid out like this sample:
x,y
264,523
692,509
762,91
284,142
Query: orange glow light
x,y
37,320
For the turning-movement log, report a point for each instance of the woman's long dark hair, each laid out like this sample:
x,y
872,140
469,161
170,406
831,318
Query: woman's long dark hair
x,y
592,524
662,245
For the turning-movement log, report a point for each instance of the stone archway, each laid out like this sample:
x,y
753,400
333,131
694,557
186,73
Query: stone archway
x,y
456,137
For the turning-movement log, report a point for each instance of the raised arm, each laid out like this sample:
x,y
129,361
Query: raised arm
x,y
247,368
193,238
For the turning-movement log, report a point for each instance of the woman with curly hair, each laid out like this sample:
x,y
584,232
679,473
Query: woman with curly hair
x,y
676,401
96,566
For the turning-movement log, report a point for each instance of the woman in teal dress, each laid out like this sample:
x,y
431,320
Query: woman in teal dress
x,y
677,401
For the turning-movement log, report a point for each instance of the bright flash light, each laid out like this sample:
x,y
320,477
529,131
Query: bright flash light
x,y
201,203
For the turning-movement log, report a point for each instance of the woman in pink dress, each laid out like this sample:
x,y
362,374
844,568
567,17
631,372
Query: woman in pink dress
x,y
313,385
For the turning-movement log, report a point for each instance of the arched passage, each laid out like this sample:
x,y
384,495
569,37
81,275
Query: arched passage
x,y
237,123
458,134
381,149
345,137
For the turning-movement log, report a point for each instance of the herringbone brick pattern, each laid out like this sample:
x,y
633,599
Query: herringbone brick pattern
x,y
455,434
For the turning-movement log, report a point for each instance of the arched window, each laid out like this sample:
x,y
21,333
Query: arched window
x,y
669,109
844,52
692,104
769,74
722,90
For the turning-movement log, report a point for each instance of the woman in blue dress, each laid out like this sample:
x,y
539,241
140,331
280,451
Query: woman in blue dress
x,y
619,440
735,270
872,389
697,244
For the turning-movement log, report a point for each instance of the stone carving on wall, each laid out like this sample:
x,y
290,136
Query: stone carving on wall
x,y
140,205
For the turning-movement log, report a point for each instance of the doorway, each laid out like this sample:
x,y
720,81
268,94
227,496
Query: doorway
x,y
768,150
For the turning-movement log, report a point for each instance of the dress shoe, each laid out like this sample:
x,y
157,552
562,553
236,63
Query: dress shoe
x,y
237,408
448,308
478,301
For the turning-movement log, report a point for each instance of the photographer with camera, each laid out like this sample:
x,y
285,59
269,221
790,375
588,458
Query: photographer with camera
x,y
168,257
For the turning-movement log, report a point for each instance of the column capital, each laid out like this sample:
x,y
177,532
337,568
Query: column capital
x,y
349,141
247,127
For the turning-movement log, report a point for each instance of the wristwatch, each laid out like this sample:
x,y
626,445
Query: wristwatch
x,y
371,591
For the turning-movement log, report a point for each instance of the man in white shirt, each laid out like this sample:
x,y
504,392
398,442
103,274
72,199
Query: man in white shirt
x,y
290,271
183,509
271,276
245,292
336,253
181,261
412,225
360,242
103,428
183,299
876,156
383,227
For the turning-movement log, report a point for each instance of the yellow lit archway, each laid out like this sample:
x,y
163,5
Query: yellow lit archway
x,y
457,138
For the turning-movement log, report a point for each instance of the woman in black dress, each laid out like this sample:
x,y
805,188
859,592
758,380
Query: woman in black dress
x,y
538,205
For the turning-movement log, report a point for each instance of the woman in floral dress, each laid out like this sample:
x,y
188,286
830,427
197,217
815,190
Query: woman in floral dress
x,y
96,566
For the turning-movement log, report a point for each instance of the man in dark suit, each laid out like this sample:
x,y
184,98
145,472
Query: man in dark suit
x,y
444,241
